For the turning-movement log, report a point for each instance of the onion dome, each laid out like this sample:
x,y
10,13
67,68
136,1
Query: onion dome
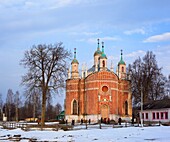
x,y
98,52
75,60
121,62
103,55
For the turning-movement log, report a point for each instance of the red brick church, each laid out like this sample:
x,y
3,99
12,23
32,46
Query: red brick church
x,y
98,92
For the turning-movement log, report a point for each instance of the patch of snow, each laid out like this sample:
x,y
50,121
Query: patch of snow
x,y
107,134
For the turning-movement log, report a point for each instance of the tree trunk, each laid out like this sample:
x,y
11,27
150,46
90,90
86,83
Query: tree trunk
x,y
9,114
43,108
34,106
16,114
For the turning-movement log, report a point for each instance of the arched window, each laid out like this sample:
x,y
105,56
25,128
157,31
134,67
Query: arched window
x,y
122,69
103,63
74,107
126,108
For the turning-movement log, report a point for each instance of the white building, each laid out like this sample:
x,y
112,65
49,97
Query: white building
x,y
156,111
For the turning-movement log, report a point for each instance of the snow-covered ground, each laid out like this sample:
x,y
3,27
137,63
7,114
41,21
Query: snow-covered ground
x,y
109,134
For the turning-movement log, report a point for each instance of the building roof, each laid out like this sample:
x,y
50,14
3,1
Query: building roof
x,y
92,69
121,62
62,113
158,104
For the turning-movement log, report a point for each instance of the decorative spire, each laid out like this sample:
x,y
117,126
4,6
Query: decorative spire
x,y
82,72
85,70
121,54
74,60
103,55
121,58
98,47
83,67
111,67
98,52
74,53
102,47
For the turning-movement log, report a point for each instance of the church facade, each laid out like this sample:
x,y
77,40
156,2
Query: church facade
x,y
98,92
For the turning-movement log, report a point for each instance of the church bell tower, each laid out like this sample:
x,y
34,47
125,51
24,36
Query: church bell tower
x,y
121,70
74,66
97,55
103,59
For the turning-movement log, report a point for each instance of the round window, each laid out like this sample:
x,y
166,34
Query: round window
x,y
105,89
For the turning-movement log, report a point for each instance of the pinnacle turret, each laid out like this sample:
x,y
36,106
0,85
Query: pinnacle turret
x,y
121,62
98,52
75,60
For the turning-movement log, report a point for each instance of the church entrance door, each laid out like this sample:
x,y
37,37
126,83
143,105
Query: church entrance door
x,y
104,111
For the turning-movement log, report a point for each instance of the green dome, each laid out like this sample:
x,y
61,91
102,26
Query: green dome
x,y
74,61
121,62
103,56
98,52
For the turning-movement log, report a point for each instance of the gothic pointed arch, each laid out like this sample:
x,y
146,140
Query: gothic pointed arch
x,y
103,62
122,69
126,108
104,111
74,107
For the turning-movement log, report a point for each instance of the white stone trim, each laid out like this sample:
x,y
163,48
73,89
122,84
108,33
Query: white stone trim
x,y
101,81
72,106
72,91
115,89
90,89
73,83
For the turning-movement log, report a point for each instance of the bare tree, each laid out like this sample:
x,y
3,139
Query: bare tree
x,y
135,72
9,102
167,87
49,111
17,102
58,108
1,106
32,96
46,70
146,77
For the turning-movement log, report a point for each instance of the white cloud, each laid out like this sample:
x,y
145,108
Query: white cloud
x,y
81,40
131,57
50,4
85,33
135,31
158,38
94,40
135,54
162,57
30,4
63,3
54,4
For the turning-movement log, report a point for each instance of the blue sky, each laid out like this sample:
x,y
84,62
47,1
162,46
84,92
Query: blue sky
x,y
135,26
